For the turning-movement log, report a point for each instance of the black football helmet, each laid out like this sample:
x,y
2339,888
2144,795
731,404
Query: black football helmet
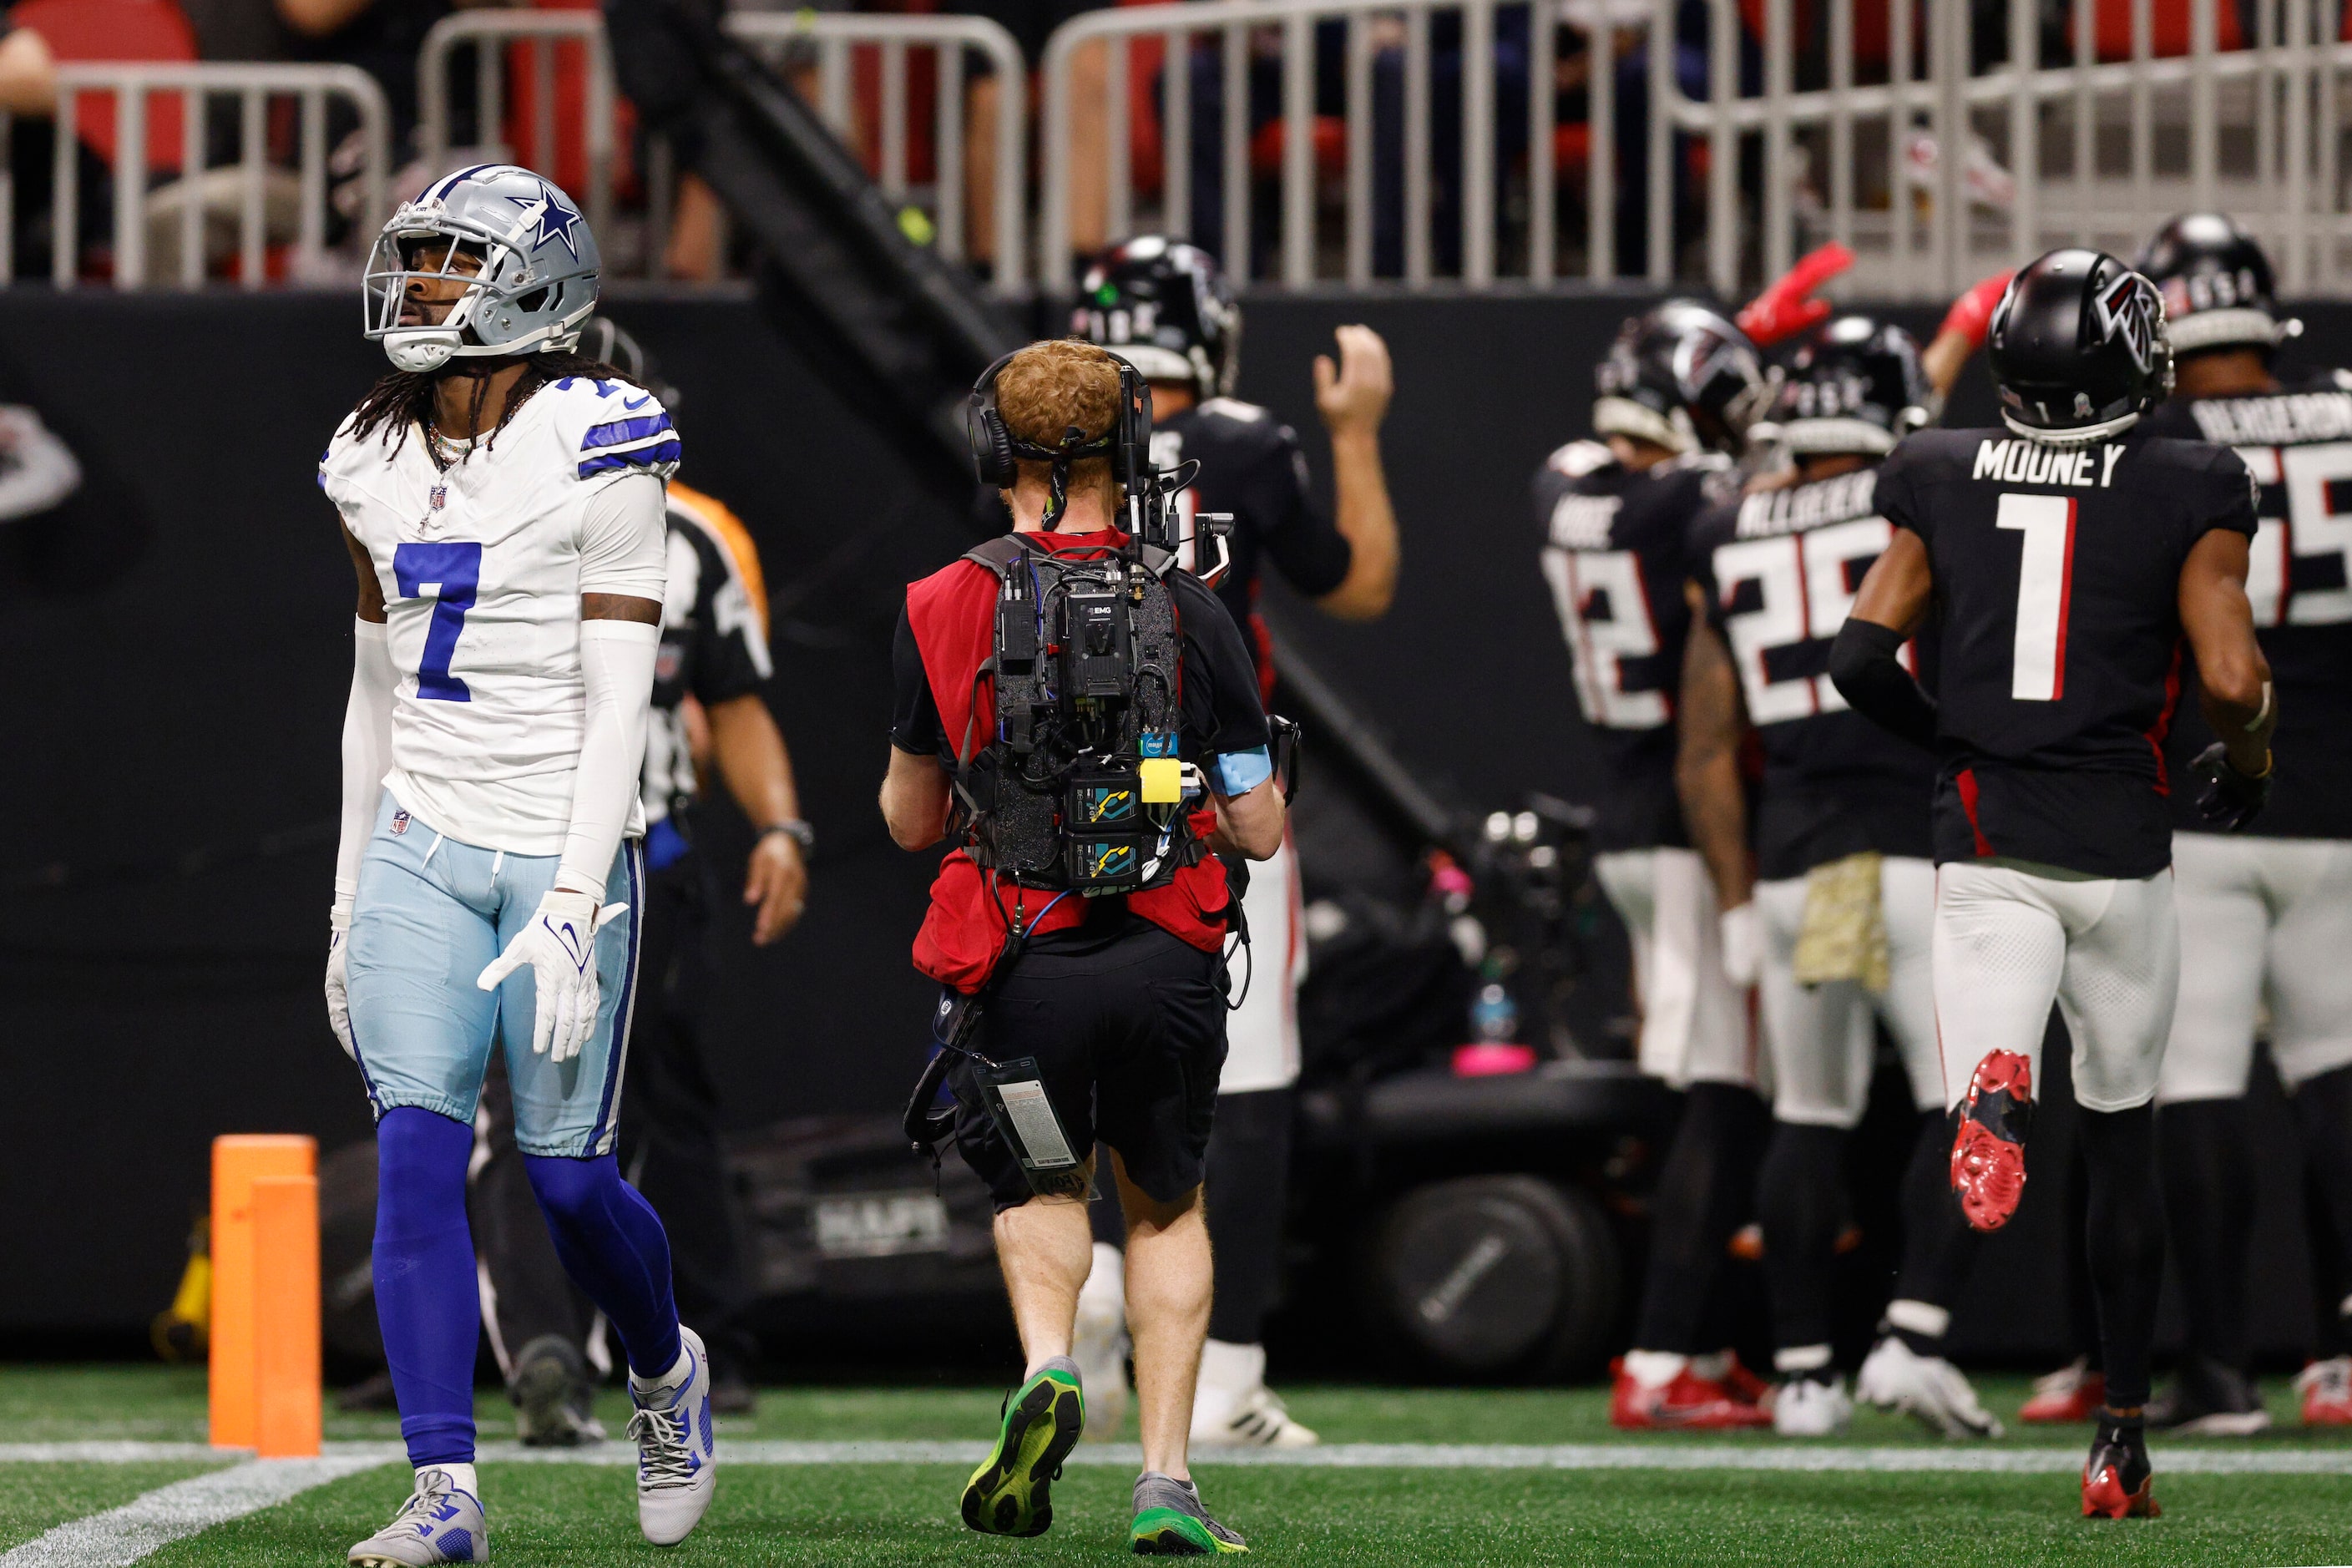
x,y
1162,306
605,339
1853,385
1681,376
2078,348
2217,288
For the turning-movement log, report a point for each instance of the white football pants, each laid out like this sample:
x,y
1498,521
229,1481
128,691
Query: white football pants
x,y
2009,942
1697,1027
1820,1037
2263,921
1262,1034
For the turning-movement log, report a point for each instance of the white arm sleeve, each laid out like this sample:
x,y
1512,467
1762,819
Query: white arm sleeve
x,y
624,539
367,756
616,668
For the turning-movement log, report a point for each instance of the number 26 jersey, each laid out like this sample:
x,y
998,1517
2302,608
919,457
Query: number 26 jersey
x,y
2298,446
482,563
2058,572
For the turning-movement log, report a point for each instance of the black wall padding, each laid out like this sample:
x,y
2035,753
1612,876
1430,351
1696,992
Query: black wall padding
x,y
172,707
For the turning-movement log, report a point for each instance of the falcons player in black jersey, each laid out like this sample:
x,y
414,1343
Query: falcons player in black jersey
x,y
1840,874
1162,306
1676,393
2070,556
2269,915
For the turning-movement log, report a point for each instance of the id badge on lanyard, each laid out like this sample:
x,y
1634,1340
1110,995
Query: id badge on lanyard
x,y
1023,1114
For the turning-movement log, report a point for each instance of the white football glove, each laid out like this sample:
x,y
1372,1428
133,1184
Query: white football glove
x,y
338,982
560,945
1743,944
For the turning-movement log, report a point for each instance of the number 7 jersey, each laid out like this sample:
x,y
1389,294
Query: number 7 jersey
x,y
482,563
2057,570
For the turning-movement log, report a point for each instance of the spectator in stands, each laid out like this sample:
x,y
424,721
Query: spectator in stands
x,y
1031,23
380,36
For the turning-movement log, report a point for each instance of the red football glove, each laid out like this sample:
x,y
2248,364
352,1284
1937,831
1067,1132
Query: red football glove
x,y
1784,309
1971,313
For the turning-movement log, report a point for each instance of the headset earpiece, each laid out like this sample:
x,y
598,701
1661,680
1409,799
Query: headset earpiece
x,y
992,443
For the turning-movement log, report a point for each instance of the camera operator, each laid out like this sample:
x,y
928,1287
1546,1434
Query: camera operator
x,y
1081,964
1162,306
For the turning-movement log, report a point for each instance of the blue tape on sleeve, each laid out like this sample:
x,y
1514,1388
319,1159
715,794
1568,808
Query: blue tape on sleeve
x,y
1238,773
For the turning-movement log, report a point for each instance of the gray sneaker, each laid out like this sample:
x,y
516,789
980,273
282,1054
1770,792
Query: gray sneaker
x,y
1170,1522
552,1395
438,1523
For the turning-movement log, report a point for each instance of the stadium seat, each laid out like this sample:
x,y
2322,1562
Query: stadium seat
x,y
567,162
93,30
2169,23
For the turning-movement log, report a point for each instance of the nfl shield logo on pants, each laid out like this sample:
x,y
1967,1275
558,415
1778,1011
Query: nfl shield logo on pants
x,y
399,823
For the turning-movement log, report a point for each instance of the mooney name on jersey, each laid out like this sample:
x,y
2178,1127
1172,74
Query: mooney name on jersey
x,y
1616,552
1780,569
2058,574
2298,446
482,563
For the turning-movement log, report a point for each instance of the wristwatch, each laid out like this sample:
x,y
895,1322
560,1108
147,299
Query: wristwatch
x,y
795,829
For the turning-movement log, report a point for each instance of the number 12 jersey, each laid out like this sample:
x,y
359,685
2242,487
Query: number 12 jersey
x,y
2057,572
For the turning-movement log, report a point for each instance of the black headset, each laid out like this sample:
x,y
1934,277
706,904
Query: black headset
x,y
996,455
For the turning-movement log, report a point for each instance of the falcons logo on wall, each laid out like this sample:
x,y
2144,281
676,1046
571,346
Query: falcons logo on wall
x,y
2128,307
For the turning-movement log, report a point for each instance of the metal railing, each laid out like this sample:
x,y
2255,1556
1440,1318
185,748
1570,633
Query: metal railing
x,y
196,85
833,36
2073,151
1394,36
2256,131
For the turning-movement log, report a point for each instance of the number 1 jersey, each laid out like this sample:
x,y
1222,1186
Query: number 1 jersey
x,y
482,564
1616,553
2057,572
2298,446
1779,569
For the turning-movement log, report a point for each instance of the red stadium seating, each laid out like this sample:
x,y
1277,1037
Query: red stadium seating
x,y
117,31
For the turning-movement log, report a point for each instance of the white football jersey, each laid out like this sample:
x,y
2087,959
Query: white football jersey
x,y
482,564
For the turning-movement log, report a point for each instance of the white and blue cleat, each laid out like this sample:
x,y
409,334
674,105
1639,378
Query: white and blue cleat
x,y
677,1453
438,1523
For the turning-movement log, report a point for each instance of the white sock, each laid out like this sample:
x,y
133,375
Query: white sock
x,y
1655,1369
679,1371
1103,1298
460,1477
1230,1368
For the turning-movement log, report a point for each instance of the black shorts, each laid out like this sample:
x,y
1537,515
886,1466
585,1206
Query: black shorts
x,y
1127,1028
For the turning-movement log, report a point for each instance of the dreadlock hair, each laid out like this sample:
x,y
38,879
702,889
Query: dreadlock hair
x,y
405,398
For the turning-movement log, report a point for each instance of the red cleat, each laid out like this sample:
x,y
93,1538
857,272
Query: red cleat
x,y
1688,1403
2065,1397
2326,1388
2118,1481
1988,1151
1743,1385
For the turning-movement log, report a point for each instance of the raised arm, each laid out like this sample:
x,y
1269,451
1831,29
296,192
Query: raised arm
x,y
1353,398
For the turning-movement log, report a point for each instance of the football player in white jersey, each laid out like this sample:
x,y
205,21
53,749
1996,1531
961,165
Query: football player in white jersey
x,y
501,499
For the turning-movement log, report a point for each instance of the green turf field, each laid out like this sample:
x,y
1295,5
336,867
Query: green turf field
x,y
1364,1514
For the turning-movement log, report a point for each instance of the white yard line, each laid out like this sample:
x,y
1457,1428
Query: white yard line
x,y
121,1536
1961,1458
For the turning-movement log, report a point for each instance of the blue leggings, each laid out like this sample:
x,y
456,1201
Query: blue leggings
x,y
426,1298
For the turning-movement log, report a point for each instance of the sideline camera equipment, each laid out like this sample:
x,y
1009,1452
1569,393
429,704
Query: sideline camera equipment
x,y
1081,789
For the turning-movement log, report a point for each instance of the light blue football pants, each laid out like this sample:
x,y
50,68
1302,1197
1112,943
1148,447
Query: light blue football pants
x,y
432,914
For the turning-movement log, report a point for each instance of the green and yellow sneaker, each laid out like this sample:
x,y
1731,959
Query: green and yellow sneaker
x,y
1170,1522
1007,1495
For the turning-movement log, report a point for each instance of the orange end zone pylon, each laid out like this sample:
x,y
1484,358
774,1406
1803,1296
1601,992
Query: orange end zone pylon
x,y
265,1235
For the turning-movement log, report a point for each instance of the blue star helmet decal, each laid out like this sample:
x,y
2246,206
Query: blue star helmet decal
x,y
552,219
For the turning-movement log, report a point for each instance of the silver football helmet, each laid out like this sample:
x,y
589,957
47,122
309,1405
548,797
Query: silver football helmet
x,y
519,245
